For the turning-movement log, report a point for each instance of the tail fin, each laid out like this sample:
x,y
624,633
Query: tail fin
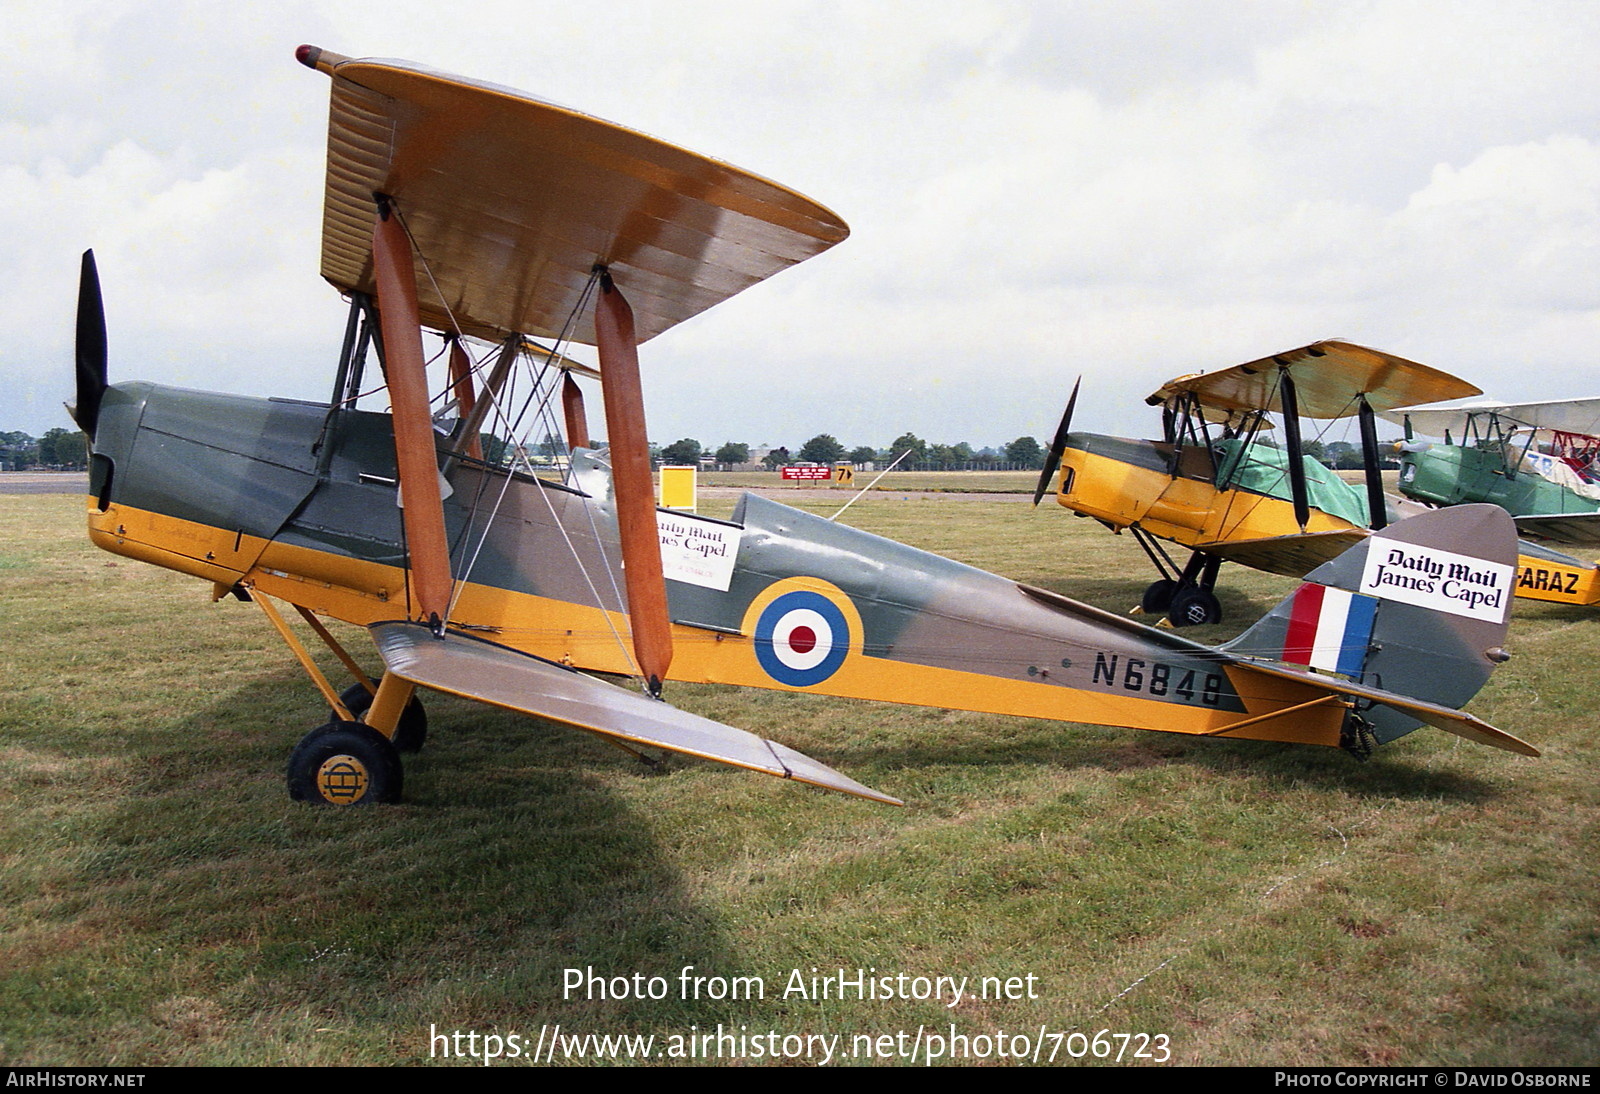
x,y
1416,613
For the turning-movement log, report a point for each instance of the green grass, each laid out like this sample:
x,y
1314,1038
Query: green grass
x,y
162,902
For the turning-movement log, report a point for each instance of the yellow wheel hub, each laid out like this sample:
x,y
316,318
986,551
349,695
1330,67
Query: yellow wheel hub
x,y
342,779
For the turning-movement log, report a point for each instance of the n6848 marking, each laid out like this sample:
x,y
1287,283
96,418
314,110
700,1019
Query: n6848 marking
x,y
1158,679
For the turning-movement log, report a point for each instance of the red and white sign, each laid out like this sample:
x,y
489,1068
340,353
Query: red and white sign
x,y
819,473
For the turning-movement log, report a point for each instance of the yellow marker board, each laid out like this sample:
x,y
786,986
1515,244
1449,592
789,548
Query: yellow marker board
x,y
677,488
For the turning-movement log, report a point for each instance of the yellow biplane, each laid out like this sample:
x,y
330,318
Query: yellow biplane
x,y
490,217
1219,484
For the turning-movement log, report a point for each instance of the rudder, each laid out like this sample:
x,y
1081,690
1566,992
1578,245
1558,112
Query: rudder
x,y
1419,609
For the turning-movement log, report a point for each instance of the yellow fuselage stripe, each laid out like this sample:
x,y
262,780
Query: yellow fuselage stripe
x,y
363,592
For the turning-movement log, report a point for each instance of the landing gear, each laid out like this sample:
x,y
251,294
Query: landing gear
x,y
1193,606
1184,596
1158,597
345,763
409,733
349,762
1356,737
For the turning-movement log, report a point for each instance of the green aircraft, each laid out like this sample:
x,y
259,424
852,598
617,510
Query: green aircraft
x,y
1538,461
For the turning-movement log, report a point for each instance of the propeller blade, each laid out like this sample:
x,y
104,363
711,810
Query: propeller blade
x,y
91,347
1052,460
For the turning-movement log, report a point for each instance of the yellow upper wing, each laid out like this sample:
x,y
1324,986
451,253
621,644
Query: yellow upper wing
x,y
511,202
1327,378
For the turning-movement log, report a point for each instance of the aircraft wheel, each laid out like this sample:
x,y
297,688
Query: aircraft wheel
x,y
409,735
1194,607
344,763
1158,597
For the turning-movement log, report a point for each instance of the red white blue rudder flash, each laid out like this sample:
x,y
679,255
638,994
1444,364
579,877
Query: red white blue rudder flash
x,y
1329,629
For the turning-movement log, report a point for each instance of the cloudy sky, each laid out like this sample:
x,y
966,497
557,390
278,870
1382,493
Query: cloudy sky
x,y
1129,190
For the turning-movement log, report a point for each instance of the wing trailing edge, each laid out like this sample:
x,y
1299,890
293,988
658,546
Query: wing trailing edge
x,y
1578,529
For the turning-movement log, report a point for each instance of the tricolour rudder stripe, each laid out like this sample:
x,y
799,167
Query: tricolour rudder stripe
x,y
1360,614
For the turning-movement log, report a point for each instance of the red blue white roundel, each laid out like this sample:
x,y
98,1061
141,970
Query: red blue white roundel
x,y
801,639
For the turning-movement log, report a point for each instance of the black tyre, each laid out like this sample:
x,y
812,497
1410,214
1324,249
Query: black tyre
x,y
409,735
1194,607
345,763
1158,597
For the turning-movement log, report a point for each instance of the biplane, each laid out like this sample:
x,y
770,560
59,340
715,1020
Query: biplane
x,y
1538,461
492,218
1221,485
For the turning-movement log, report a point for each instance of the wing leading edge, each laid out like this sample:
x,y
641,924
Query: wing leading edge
x,y
512,202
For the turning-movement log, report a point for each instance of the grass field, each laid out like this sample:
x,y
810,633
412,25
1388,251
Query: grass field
x,y
162,902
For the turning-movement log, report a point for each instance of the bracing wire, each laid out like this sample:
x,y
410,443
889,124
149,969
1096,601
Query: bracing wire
x,y
518,453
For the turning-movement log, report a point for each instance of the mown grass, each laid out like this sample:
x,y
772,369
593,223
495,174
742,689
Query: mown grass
x,y
161,902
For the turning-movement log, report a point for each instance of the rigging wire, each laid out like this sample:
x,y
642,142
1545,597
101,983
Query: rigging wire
x,y
518,453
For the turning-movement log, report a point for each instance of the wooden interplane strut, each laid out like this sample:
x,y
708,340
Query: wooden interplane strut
x,y
572,408
635,495
413,426
461,381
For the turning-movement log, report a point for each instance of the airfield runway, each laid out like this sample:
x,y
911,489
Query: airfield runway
x,y
44,482
813,493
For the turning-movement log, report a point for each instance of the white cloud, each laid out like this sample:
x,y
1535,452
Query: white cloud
x,y
1129,190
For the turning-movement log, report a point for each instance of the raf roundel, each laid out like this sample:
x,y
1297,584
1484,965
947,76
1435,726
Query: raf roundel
x,y
801,639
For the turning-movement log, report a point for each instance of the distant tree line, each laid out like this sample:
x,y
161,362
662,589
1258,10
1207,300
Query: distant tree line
x,y
825,448
58,450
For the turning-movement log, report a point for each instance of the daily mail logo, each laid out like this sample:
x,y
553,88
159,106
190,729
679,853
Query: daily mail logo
x,y
1441,580
697,552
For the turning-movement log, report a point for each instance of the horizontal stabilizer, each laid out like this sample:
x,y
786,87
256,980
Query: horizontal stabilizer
x,y
1440,717
1578,529
502,677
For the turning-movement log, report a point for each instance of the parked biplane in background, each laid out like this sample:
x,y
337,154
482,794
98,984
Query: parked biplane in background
x,y
1538,461
491,217
1217,485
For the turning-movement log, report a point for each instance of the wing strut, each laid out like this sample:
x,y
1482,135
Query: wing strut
x,y
1377,515
415,453
1291,438
472,423
466,397
572,407
630,475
